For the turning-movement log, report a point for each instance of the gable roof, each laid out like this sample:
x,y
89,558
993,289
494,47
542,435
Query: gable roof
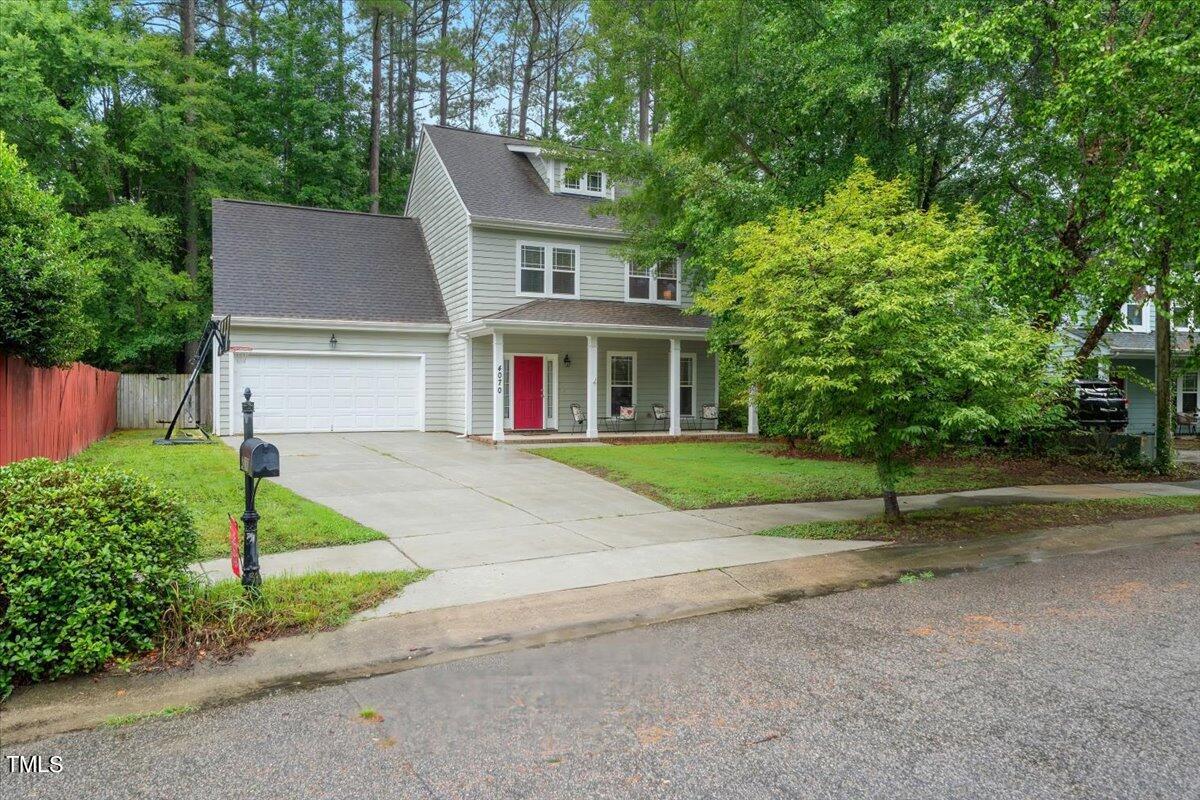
x,y
602,312
496,183
274,260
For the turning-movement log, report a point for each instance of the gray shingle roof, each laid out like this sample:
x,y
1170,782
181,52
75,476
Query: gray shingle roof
x,y
497,183
1134,342
273,260
602,312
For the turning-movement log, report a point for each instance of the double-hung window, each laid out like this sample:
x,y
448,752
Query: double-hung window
x,y
547,270
1188,394
687,385
1135,315
656,284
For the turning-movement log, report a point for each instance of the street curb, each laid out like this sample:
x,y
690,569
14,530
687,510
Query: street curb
x,y
394,644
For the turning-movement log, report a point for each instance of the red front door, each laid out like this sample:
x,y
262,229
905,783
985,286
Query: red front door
x,y
528,400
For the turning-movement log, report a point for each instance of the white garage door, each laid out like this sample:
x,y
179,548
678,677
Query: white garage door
x,y
314,393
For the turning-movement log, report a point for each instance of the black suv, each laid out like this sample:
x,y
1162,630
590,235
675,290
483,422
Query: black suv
x,y
1100,404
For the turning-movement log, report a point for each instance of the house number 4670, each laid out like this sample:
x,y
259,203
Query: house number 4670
x,y
499,380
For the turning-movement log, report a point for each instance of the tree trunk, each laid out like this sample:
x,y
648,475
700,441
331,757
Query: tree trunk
x,y
376,95
887,481
222,21
252,28
444,66
891,505
535,30
390,105
1103,322
191,218
414,35
1164,384
644,104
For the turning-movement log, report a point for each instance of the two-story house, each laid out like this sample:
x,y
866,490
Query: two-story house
x,y
495,306
1129,349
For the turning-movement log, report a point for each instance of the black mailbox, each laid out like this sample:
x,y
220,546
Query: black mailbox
x,y
260,459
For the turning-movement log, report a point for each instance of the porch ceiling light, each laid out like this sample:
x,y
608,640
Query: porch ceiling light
x,y
333,341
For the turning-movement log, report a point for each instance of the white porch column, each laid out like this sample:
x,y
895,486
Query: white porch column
x,y
673,387
468,386
593,408
498,386
216,391
717,387
752,412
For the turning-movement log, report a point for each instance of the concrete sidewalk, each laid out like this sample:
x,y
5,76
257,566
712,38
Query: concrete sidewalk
x,y
400,642
509,562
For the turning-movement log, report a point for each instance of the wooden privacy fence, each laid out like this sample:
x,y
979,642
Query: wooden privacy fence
x,y
53,412
143,399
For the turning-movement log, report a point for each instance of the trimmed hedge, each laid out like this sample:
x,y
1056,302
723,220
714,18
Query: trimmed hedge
x,y
90,560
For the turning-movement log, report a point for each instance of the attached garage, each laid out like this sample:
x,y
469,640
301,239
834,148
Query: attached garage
x,y
337,323
322,392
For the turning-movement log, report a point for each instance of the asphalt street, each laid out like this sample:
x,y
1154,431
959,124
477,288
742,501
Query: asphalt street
x,y
1072,678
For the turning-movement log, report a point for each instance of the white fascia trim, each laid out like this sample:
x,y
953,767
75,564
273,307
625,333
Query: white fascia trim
x,y
523,148
486,326
339,324
526,226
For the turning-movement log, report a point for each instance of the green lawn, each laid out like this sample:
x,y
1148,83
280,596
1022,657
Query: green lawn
x,y
970,523
208,479
707,474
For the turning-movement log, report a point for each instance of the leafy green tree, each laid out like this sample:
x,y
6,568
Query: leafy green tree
x,y
865,327
759,103
44,282
142,307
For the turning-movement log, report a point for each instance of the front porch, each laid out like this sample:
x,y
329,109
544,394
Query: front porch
x,y
563,384
551,437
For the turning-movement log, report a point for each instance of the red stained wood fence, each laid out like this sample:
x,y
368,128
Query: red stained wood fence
x,y
53,412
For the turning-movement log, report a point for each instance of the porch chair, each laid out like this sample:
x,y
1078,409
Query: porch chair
x,y
661,417
624,414
708,413
1185,423
578,418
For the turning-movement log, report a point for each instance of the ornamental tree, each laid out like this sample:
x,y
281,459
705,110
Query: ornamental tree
x,y
867,328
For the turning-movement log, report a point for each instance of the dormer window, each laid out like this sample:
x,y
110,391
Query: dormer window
x,y
592,184
653,284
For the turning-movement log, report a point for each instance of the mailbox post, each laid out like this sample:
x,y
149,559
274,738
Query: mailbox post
x,y
258,459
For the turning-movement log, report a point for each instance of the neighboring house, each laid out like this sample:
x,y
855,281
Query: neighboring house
x,y
1131,351
493,306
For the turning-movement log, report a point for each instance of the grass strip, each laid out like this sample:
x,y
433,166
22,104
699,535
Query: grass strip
x,y
960,524
208,479
221,620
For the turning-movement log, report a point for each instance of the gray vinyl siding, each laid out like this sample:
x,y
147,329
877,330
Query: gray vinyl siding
x,y
433,345
1141,399
651,381
494,269
433,200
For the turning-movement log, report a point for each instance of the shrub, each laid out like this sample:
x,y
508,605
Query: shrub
x,y
90,560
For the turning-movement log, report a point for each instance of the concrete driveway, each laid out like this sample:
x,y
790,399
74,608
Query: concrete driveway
x,y
453,502
499,522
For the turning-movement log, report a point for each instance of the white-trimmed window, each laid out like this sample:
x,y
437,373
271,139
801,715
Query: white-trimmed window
x,y
592,184
622,381
687,385
1188,393
1136,316
547,270
656,284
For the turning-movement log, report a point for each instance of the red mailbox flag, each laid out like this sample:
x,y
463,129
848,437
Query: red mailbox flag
x,y
234,549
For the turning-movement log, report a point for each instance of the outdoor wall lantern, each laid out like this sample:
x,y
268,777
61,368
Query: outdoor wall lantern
x,y
566,361
333,341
